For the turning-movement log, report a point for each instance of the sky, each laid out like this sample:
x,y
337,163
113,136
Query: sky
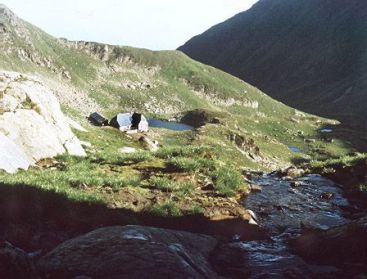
x,y
153,24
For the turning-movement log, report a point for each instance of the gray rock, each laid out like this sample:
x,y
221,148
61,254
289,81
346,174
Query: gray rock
x,y
293,172
127,149
132,252
151,145
32,119
75,125
339,245
37,138
12,156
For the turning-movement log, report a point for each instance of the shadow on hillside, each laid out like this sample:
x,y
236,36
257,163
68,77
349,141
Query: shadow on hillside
x,y
32,218
355,140
355,137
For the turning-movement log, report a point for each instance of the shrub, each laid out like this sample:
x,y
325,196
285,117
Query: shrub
x,y
185,188
190,164
162,183
167,209
123,159
227,180
185,151
196,210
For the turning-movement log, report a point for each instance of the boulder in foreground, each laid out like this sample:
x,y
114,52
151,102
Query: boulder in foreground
x,y
132,252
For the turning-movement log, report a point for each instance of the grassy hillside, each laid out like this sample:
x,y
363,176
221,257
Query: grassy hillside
x,y
308,54
250,130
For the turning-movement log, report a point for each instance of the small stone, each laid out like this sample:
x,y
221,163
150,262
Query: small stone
x,y
326,195
127,149
295,184
255,188
294,172
151,145
86,144
75,125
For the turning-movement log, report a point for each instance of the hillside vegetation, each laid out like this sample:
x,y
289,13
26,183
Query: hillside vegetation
x,y
240,127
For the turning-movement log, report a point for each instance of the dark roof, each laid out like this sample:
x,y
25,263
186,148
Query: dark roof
x,y
98,119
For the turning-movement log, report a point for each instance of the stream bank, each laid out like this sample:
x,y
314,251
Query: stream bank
x,y
299,213
312,232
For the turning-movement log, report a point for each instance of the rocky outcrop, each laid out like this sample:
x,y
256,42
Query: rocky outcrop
x,y
32,124
131,252
341,245
12,156
280,47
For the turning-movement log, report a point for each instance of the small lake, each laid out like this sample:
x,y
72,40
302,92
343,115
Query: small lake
x,y
326,130
294,149
170,125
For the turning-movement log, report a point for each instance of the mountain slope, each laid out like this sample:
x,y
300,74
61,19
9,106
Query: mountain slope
x,y
198,172
308,54
91,77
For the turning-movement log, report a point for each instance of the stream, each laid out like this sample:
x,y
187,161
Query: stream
x,y
285,208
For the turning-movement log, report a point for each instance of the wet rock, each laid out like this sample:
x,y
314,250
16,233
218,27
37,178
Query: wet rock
x,y
258,260
293,172
279,205
336,246
15,263
253,218
132,252
351,177
229,260
295,184
255,188
326,195
292,191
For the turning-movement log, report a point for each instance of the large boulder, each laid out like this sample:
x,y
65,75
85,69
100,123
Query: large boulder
x,y
345,244
31,118
12,156
131,252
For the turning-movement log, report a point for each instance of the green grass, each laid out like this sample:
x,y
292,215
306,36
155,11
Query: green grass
x,y
163,183
167,209
122,159
347,160
190,164
183,151
227,181
187,159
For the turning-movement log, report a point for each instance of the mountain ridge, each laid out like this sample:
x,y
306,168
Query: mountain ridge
x,y
307,54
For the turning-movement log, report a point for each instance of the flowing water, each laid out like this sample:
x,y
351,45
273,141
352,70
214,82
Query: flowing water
x,y
285,208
